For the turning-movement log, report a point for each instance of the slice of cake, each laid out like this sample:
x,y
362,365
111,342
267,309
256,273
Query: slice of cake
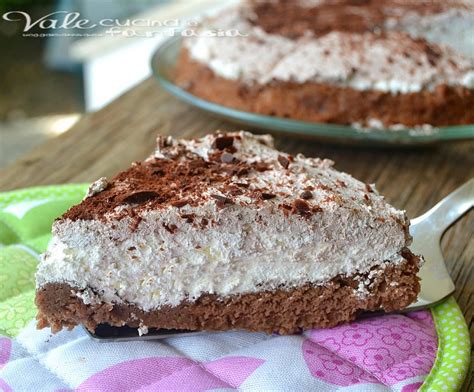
x,y
379,64
225,232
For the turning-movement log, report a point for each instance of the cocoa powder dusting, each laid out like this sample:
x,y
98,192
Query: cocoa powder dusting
x,y
289,19
159,183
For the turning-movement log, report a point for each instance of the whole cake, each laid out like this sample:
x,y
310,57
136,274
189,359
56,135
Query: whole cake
x,y
383,63
226,232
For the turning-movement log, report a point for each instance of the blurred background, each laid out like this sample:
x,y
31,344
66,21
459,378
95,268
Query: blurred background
x,y
50,75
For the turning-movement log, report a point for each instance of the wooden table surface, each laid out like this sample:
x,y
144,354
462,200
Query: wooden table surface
x,y
104,142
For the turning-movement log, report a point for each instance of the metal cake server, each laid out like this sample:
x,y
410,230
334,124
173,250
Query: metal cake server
x,y
427,231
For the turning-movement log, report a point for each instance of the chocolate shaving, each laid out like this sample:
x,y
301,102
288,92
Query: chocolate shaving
x,y
170,228
301,207
234,190
243,171
368,188
222,201
189,217
135,222
268,196
140,197
341,183
286,209
367,199
223,142
306,195
330,198
283,161
179,203
324,187
261,166
432,55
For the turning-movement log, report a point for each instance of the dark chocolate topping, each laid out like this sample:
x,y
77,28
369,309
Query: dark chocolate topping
x,y
283,161
222,200
306,195
268,196
302,207
223,142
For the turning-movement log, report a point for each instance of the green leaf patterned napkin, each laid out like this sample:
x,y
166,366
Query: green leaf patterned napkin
x,y
25,229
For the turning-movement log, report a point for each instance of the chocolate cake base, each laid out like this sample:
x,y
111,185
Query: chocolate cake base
x,y
326,103
389,287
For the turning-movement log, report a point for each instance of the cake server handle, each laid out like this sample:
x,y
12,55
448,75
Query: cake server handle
x,y
427,230
448,210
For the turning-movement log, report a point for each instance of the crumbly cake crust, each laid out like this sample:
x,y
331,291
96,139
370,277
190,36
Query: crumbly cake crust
x,y
283,311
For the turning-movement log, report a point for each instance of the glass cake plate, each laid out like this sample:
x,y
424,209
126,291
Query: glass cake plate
x,y
163,63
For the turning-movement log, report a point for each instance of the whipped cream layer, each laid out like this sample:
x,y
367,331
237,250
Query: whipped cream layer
x,y
391,62
226,243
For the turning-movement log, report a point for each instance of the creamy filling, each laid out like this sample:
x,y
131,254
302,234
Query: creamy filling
x,y
359,61
152,267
